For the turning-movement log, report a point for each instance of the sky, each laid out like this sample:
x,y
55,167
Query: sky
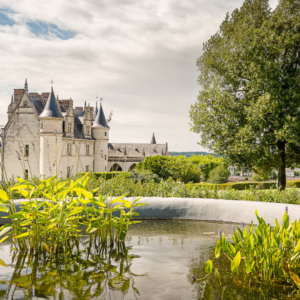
x,y
138,55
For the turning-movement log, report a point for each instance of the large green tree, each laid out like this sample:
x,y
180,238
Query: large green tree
x,y
248,108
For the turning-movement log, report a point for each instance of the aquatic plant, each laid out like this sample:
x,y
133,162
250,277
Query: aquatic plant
x,y
96,270
270,255
54,210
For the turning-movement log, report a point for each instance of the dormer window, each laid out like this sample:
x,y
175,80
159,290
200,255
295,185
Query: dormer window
x,y
69,127
87,130
42,125
105,133
25,103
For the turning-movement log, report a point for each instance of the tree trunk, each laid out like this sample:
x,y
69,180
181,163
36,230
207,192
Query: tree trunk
x,y
281,169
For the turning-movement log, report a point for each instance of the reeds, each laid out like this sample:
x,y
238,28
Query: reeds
x,y
51,217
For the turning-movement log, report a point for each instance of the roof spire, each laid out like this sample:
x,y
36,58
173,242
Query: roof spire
x,y
153,140
26,85
96,110
100,120
51,109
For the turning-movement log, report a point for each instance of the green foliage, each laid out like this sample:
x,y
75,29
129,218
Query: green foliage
x,y
267,254
181,168
218,175
247,108
256,177
246,178
296,173
52,222
106,175
144,176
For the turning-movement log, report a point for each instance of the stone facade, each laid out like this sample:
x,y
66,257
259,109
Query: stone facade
x,y
45,136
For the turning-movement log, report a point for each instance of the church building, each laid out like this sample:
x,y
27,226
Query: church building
x,y
45,136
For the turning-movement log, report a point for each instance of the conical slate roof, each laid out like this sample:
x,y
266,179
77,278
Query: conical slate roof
x,y
100,120
153,140
51,109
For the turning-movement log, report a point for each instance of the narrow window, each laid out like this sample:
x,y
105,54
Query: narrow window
x,y
105,157
105,133
42,125
69,149
105,168
87,168
25,174
25,103
69,128
87,150
87,130
68,172
26,152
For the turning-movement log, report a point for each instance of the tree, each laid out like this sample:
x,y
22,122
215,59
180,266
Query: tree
x,y
249,102
218,175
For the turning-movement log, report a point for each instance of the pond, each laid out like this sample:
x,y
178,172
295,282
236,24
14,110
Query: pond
x,y
161,257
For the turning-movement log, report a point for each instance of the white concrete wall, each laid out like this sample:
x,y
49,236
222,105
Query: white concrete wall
x,y
78,159
21,130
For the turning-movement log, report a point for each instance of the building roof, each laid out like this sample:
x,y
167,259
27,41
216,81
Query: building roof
x,y
51,108
135,150
100,120
96,111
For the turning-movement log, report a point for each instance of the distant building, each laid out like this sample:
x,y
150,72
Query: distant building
x,y
47,136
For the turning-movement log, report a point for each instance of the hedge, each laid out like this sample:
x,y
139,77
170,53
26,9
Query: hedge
x,y
106,175
293,183
238,185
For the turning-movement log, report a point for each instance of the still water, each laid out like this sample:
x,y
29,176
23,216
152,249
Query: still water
x,y
161,257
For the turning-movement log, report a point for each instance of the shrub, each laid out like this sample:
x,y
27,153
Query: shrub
x,y
106,175
256,177
181,168
293,183
296,173
218,175
246,178
144,176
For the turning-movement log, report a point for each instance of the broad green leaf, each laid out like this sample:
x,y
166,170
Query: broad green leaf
x,y
3,195
236,262
2,263
208,267
218,249
285,220
4,208
22,235
297,248
5,230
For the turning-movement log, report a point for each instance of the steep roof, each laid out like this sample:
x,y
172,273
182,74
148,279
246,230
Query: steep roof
x,y
100,120
153,140
51,108
96,111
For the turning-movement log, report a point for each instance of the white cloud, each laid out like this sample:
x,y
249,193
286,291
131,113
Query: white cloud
x,y
139,55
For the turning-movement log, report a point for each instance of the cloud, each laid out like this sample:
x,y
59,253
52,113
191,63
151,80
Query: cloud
x,y
140,56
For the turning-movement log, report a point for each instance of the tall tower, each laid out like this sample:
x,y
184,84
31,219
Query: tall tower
x,y
51,132
101,135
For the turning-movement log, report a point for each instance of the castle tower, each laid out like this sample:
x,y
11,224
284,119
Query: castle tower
x,y
69,120
101,134
51,132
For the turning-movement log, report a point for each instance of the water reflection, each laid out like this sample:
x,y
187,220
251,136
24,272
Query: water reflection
x,y
91,272
166,253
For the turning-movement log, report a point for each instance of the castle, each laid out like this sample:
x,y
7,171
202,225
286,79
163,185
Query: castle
x,y
45,136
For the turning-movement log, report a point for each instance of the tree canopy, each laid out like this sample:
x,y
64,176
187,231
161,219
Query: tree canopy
x,y
249,102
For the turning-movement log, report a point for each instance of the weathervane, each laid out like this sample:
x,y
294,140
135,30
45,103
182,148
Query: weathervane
x,y
51,83
101,100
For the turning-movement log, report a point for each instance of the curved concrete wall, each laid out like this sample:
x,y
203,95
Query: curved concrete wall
x,y
233,211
